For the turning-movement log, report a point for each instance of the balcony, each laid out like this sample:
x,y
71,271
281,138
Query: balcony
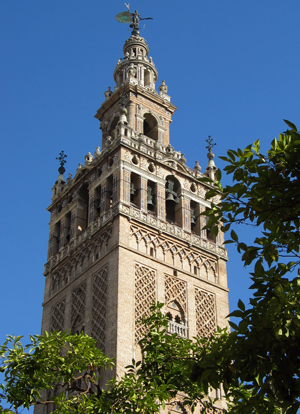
x,y
179,329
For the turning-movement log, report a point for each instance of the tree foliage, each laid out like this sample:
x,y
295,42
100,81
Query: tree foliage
x,y
48,370
257,363
265,344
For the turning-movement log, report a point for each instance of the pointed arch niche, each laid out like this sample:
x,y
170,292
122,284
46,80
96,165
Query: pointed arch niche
x,y
150,126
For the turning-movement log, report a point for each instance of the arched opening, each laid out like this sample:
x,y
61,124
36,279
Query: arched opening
x,y
113,124
82,208
147,77
151,196
209,234
97,202
109,193
56,238
173,200
195,218
150,126
135,187
177,320
67,230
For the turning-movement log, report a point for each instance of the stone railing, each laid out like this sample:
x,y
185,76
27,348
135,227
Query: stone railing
x,y
178,329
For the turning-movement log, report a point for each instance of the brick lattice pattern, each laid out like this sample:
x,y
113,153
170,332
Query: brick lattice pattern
x,y
205,313
175,290
58,316
78,305
145,295
99,307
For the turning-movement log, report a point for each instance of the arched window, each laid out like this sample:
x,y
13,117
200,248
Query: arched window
x,y
151,196
209,234
135,187
56,238
97,202
147,77
173,209
82,208
113,125
67,229
177,319
150,126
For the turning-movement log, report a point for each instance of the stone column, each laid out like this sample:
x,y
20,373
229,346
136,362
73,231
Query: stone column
x,y
144,193
126,186
92,214
186,213
161,201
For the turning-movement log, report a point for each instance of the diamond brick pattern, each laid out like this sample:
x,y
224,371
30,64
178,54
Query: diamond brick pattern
x,y
58,316
205,313
145,295
99,307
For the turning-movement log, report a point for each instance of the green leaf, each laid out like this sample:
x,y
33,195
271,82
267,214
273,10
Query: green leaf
x,y
241,305
291,125
233,235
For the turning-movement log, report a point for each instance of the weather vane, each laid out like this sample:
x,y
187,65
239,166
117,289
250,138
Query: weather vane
x,y
132,18
62,161
210,143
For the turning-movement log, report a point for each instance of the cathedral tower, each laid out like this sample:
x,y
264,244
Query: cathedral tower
x,y
126,230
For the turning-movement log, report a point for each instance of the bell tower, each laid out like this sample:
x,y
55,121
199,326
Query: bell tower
x,y
126,230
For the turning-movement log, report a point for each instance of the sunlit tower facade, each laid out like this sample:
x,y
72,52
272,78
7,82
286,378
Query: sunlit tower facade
x,y
126,230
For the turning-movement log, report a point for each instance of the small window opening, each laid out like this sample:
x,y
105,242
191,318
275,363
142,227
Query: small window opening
x,y
150,126
109,192
151,252
82,208
174,272
173,213
56,238
151,196
135,183
209,234
97,202
147,77
67,228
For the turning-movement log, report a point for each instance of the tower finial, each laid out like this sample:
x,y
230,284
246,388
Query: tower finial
x,y
61,158
210,143
62,161
211,167
132,18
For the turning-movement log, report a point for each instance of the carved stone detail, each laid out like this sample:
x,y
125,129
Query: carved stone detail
x,y
177,250
62,276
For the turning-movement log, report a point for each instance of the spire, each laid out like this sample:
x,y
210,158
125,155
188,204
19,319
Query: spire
x,y
135,67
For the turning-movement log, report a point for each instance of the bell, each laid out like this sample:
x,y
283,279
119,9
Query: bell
x,y
68,235
150,204
170,197
97,204
132,189
193,217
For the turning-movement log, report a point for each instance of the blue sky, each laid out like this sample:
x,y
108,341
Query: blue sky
x,y
232,68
